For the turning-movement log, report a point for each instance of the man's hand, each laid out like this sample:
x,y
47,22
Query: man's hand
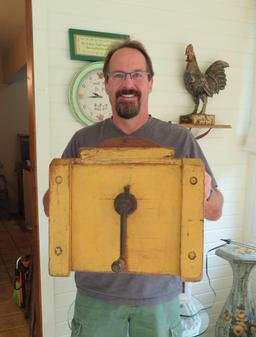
x,y
46,203
207,186
213,200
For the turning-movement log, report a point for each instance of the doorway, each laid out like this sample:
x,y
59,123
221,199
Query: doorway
x,y
18,206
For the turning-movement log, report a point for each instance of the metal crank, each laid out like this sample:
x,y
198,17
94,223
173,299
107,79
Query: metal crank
x,y
125,204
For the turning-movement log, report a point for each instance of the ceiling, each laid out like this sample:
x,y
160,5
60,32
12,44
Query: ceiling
x,y
12,22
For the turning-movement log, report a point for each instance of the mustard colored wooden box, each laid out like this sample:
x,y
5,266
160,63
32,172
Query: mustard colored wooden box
x,y
164,234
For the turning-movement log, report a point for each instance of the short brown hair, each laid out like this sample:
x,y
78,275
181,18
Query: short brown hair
x,y
133,44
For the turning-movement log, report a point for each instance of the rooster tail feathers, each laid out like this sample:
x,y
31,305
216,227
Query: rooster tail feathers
x,y
216,76
217,66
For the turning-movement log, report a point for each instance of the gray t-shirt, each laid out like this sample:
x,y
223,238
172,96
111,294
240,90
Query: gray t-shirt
x,y
127,288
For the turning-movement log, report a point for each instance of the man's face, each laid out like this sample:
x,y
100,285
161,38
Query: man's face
x,y
128,97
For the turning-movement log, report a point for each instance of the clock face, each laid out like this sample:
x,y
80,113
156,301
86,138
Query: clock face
x,y
87,96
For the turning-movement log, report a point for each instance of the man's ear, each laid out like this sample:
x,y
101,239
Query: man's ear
x,y
106,86
151,85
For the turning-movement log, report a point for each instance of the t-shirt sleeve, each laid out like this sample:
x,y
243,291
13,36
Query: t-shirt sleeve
x,y
194,151
72,149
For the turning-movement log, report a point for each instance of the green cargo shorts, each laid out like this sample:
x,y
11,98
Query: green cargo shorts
x,y
97,318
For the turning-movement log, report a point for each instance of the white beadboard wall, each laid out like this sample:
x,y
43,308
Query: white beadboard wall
x,y
220,29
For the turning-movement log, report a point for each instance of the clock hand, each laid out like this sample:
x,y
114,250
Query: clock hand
x,y
95,95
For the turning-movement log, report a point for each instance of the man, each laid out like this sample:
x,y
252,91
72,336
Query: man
x,y
109,304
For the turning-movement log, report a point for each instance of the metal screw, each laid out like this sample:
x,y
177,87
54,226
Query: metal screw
x,y
192,255
58,251
193,180
58,180
118,265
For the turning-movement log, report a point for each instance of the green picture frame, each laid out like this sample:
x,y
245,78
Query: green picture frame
x,y
87,45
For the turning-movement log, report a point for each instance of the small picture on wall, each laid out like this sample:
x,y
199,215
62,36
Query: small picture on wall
x,y
90,45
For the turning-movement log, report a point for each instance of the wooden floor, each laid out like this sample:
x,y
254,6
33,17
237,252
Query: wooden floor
x,y
14,242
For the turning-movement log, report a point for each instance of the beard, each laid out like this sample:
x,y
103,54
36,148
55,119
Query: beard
x,y
127,110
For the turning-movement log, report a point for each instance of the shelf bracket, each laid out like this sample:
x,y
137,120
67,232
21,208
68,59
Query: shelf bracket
x,y
202,134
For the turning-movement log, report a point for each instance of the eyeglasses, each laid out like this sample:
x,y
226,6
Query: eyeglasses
x,y
136,76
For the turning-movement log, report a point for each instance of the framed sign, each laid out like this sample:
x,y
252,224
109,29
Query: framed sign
x,y
91,46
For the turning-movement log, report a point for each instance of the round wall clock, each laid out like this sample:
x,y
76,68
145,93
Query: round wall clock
x,y
87,97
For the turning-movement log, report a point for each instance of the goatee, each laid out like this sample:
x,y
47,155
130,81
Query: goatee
x,y
127,110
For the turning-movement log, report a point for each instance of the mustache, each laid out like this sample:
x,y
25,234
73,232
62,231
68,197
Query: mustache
x,y
128,92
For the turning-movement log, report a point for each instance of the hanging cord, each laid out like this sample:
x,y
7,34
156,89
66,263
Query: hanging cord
x,y
206,264
227,241
246,245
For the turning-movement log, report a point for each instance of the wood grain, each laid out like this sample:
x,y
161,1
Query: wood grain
x,y
166,201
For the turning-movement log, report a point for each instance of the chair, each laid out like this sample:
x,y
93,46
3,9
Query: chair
x,y
4,198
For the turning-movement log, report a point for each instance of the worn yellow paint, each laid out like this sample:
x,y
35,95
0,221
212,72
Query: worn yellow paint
x,y
192,221
155,238
125,155
59,215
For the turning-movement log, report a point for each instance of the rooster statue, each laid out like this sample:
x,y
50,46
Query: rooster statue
x,y
201,86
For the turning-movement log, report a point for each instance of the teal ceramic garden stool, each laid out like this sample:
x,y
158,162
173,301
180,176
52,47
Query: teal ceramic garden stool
x,y
238,316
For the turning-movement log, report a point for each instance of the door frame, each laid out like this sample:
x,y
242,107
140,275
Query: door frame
x,y
36,298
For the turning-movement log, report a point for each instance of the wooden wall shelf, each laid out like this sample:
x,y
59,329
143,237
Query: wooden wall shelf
x,y
208,127
214,126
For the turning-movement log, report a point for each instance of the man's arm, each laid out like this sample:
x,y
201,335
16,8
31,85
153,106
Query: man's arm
x,y
46,203
213,201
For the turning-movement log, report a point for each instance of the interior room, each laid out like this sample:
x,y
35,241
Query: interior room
x,y
15,203
39,66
